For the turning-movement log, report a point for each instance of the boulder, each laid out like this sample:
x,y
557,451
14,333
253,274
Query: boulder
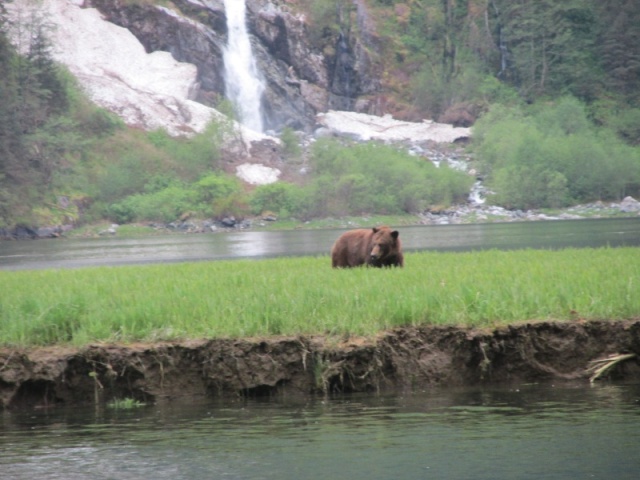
x,y
629,205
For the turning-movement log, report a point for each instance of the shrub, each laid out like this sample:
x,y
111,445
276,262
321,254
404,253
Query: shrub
x,y
165,205
220,195
215,186
553,157
121,178
374,178
290,142
190,157
284,198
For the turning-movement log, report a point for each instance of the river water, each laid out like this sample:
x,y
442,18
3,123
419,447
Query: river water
x,y
524,432
566,431
79,252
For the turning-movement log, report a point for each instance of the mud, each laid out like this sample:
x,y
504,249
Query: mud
x,y
404,358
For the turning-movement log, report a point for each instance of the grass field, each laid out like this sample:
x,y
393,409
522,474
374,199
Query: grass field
x,y
304,295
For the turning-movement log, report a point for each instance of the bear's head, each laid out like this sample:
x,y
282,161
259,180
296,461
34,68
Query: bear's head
x,y
383,243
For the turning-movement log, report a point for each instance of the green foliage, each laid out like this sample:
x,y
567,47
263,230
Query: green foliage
x,y
618,48
553,157
550,45
214,186
166,199
122,177
130,163
368,178
460,51
434,92
164,205
35,136
125,403
627,124
290,142
221,195
327,19
493,91
191,156
524,187
283,198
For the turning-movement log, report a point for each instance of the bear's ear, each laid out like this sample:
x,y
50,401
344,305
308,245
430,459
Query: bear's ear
x,y
375,229
395,234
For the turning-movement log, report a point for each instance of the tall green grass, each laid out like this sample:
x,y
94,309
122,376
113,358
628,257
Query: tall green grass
x,y
290,296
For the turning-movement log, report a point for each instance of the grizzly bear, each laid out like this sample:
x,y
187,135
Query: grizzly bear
x,y
374,247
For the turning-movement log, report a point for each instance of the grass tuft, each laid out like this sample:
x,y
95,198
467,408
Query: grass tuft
x,y
125,404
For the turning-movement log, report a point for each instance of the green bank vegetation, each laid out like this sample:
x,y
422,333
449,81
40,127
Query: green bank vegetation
x,y
363,179
291,296
553,157
125,404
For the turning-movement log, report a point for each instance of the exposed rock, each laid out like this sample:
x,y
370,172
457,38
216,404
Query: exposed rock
x,y
228,222
257,174
112,230
195,31
49,232
158,28
629,205
362,127
296,76
147,90
165,58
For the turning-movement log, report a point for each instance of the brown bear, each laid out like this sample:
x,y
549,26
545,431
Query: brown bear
x,y
374,247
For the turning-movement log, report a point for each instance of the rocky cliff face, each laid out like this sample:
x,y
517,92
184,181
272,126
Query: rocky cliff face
x,y
300,81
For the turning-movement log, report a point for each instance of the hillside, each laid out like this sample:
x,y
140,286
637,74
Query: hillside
x,y
552,92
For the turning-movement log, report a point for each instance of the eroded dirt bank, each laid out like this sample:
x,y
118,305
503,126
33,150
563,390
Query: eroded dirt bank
x,y
403,358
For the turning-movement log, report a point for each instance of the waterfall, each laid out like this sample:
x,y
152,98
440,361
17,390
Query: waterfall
x,y
243,84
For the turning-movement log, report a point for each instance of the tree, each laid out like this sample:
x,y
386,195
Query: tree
x,y
35,134
548,44
619,45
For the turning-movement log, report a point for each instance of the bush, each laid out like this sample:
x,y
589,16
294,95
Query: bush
x,y
214,186
290,142
190,157
121,178
165,205
373,178
553,157
221,195
284,198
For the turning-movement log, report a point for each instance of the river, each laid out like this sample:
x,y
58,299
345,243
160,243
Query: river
x,y
518,432
529,431
82,252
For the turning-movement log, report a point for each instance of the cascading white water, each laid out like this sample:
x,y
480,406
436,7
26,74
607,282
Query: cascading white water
x,y
243,84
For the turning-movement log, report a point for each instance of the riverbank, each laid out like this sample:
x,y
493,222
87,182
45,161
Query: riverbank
x,y
412,358
470,213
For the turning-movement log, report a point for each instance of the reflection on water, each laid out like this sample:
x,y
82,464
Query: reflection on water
x,y
530,432
66,253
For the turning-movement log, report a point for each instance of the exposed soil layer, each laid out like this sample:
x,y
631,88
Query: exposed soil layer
x,y
404,358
